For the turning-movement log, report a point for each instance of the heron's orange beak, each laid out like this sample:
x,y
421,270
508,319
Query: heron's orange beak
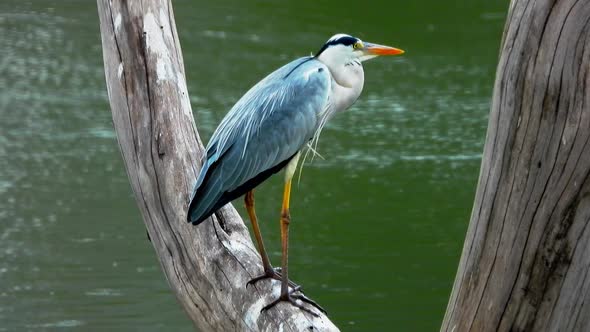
x,y
376,49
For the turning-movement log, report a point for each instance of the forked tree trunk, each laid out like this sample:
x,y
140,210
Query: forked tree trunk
x,y
525,263
206,266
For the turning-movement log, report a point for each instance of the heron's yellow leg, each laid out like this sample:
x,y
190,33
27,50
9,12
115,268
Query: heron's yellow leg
x,y
249,201
285,220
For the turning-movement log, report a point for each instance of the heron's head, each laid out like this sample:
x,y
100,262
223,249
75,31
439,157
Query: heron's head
x,y
345,49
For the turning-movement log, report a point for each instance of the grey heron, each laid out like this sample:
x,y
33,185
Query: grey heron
x,y
266,130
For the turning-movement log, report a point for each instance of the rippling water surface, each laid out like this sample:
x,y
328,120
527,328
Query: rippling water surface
x,y
378,224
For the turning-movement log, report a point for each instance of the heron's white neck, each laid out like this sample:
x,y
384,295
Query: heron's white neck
x,y
348,76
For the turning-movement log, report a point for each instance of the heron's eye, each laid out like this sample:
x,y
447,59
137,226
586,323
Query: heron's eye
x,y
357,45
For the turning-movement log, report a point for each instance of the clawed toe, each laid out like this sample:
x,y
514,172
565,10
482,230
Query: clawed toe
x,y
273,274
265,275
299,295
287,297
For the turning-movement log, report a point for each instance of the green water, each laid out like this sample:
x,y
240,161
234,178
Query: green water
x,y
378,225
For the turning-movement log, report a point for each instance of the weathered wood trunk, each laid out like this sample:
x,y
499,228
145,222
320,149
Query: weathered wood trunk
x,y
206,266
525,263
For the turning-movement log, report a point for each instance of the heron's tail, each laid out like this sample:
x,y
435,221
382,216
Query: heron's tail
x,y
205,198
201,209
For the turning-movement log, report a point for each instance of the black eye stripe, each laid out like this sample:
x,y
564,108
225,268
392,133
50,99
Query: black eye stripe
x,y
344,40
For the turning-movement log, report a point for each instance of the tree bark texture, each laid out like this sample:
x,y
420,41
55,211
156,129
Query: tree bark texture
x,y
526,259
206,266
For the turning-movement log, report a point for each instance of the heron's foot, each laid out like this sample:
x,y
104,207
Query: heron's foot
x,y
296,299
296,293
273,274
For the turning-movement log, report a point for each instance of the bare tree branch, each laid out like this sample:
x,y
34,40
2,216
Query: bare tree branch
x,y
526,257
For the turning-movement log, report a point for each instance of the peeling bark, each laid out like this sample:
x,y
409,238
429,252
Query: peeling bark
x,y
206,266
526,257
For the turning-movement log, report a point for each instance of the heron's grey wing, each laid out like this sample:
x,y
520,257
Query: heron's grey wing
x,y
261,133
